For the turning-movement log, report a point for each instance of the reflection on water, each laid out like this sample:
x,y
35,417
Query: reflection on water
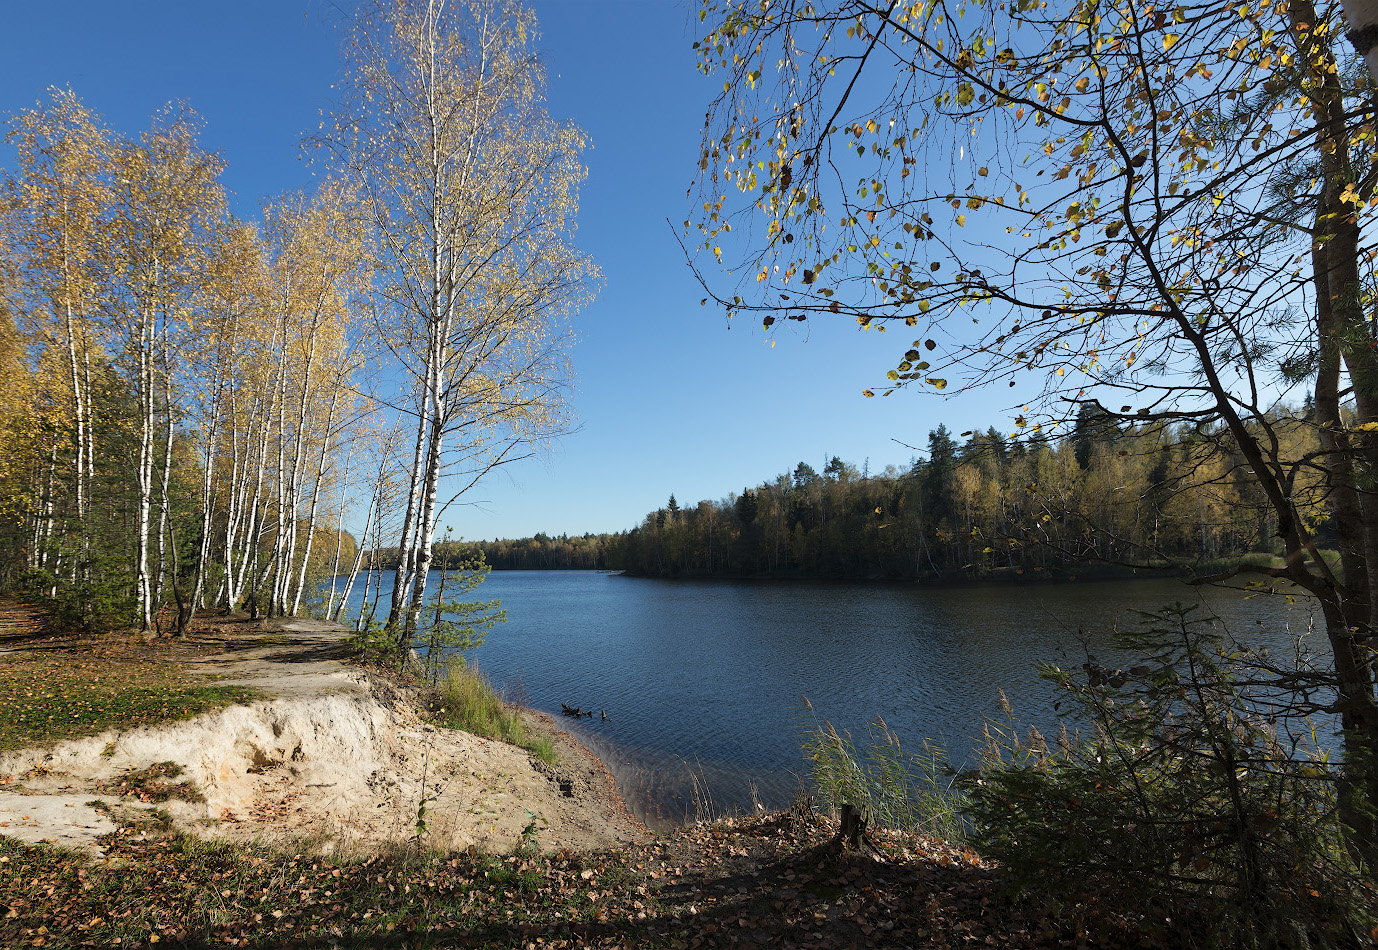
x,y
704,681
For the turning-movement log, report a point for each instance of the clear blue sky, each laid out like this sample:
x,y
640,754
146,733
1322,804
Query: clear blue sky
x,y
669,398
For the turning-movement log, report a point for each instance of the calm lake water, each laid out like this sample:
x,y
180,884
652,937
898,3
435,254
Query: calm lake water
x,y
704,681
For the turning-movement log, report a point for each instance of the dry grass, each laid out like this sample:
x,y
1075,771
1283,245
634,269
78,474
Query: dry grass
x,y
464,699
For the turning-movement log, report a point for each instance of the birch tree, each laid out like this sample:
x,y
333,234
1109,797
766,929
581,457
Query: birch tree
x,y
471,189
60,194
319,279
169,197
1362,17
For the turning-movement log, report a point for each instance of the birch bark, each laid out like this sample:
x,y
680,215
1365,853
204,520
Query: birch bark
x,y
471,190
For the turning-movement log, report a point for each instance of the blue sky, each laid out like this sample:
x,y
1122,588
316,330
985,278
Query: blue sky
x,y
669,398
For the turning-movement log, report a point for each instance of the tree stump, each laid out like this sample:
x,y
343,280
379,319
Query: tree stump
x,y
852,829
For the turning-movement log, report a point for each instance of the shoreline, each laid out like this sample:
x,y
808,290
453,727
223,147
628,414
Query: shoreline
x,y
1004,577
331,753
608,786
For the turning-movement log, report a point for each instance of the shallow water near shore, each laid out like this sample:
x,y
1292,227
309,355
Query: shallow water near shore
x,y
703,682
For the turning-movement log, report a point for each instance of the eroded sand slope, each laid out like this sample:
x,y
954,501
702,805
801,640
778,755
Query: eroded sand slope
x,y
334,754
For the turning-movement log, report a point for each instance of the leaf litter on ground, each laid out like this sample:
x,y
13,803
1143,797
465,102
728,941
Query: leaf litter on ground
x,y
777,880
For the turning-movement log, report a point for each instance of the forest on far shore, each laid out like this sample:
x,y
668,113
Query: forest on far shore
x,y
978,504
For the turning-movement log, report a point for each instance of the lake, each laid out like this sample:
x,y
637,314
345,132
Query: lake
x,y
704,681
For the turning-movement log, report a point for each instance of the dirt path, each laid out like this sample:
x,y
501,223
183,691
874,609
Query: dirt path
x,y
333,753
18,625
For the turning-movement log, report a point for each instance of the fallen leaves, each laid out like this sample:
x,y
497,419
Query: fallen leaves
x,y
771,880
67,687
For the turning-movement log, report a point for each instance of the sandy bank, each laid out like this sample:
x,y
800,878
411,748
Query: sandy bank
x,y
333,753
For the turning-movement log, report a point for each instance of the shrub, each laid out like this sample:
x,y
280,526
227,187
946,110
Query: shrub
x,y
89,606
1183,795
448,625
376,644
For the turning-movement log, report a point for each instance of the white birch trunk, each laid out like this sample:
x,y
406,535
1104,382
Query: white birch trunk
x,y
253,533
166,506
208,495
1362,18
79,410
241,504
339,530
358,561
145,471
295,484
315,500
280,400
402,578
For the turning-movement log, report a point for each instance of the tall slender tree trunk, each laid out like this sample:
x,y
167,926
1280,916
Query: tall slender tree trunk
x,y
79,394
1350,609
402,579
358,561
284,517
209,497
315,499
339,531
165,507
426,527
145,464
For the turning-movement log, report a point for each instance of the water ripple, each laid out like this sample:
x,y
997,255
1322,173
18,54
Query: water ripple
x,y
704,681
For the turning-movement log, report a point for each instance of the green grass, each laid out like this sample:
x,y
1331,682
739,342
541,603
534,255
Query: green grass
x,y
464,699
52,696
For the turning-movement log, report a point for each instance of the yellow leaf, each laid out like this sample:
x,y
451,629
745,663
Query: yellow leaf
x,y
1169,39
961,220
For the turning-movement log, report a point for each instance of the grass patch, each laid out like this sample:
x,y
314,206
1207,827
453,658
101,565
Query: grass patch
x,y
890,787
464,699
82,691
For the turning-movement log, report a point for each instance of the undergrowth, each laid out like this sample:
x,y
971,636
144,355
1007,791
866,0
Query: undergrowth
x,y
1194,786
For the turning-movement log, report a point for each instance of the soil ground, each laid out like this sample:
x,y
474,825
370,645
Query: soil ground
x,y
332,753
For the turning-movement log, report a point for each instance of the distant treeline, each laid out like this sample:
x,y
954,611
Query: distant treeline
x,y
1104,493
977,505
540,553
